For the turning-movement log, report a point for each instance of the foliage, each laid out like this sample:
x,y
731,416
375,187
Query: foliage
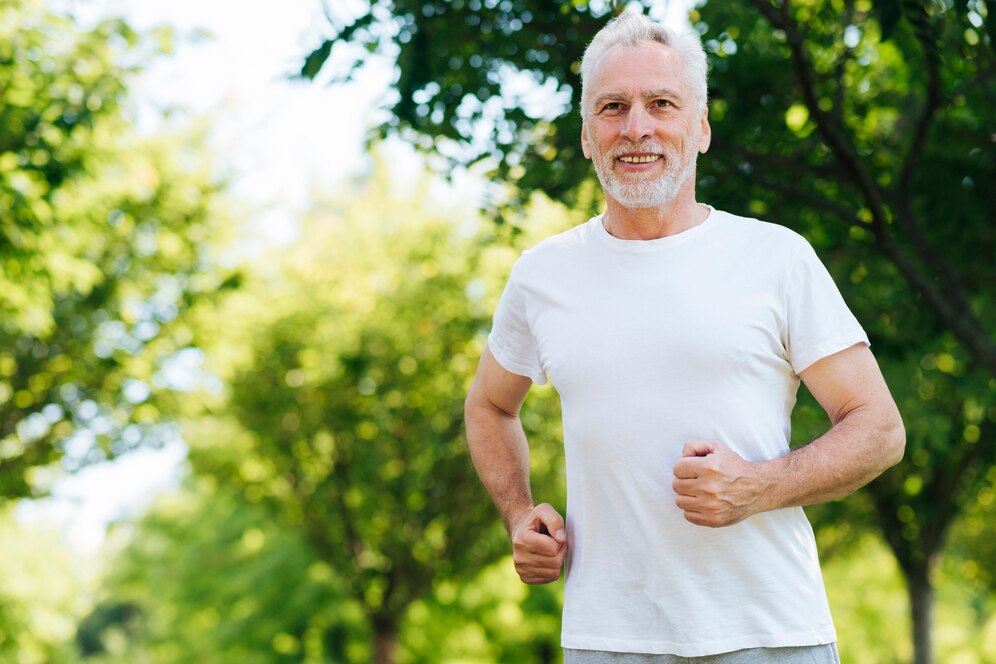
x,y
105,240
493,617
243,588
347,365
239,588
42,594
868,599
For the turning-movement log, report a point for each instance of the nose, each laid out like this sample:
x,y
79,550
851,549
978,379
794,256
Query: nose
x,y
639,124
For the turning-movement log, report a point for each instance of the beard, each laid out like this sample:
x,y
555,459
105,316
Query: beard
x,y
646,190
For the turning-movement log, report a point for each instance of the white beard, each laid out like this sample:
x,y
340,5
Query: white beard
x,y
646,190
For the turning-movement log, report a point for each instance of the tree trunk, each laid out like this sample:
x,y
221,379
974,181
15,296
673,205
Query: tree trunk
x,y
385,644
921,606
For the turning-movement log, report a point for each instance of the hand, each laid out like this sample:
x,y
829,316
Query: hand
x,y
716,486
539,544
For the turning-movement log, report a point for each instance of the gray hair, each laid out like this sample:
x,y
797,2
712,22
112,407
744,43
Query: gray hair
x,y
629,29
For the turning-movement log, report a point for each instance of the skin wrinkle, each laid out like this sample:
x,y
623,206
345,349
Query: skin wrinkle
x,y
627,120
665,93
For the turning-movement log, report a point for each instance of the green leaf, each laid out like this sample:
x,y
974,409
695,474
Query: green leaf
x,y
316,59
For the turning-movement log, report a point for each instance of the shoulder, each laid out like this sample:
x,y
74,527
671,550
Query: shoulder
x,y
753,232
556,249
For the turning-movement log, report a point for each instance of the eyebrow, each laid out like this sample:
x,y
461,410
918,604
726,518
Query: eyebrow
x,y
646,94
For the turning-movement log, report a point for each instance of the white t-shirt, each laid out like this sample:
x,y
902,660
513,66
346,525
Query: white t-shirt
x,y
649,343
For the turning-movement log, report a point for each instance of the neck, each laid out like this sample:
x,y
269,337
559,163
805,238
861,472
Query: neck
x,y
679,215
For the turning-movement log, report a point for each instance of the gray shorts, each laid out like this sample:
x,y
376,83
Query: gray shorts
x,y
822,654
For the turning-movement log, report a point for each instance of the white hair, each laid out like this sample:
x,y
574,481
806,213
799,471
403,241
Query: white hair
x,y
630,29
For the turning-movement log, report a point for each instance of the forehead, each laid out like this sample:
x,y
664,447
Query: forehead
x,y
633,69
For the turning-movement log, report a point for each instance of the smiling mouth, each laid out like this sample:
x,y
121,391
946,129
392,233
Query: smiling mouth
x,y
640,159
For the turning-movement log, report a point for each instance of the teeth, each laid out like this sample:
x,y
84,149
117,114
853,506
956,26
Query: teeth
x,y
640,160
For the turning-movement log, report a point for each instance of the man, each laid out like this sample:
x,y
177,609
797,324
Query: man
x,y
676,336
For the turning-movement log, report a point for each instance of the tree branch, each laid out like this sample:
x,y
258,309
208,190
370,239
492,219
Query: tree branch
x,y
832,133
905,217
802,195
838,71
949,303
787,163
931,105
954,311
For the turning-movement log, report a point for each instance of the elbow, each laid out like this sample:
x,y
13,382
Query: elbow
x,y
470,406
467,407
894,440
475,411
473,400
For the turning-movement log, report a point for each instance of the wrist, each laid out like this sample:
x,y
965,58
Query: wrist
x,y
513,517
767,474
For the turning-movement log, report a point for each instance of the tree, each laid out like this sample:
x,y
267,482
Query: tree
x,y
240,589
106,238
346,367
42,593
244,588
886,129
863,125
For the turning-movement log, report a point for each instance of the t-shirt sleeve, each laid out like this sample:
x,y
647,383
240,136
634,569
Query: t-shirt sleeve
x,y
818,322
511,341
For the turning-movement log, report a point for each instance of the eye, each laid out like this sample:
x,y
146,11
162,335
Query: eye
x,y
662,103
612,106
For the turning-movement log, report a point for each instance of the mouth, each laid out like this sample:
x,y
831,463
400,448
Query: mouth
x,y
640,158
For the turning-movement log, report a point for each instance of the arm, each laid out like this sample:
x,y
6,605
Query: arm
x,y
500,454
716,487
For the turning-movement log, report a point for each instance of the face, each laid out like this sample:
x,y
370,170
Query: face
x,y
642,128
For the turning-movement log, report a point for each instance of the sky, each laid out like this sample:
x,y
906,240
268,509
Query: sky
x,y
278,139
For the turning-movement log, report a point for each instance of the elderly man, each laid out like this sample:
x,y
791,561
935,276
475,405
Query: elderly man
x,y
676,336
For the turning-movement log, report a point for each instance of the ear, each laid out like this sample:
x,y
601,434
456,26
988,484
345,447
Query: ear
x,y
705,133
584,140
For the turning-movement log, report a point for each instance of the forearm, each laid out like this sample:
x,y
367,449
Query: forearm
x,y
715,486
856,450
866,438
500,454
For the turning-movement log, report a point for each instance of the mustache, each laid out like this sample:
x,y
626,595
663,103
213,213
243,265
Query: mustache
x,y
646,147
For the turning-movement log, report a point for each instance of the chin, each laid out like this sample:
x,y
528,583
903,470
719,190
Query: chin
x,y
644,198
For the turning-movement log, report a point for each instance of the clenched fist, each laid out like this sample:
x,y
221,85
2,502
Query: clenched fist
x,y
716,486
539,544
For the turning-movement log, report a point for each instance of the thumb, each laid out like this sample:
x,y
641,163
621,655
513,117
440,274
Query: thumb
x,y
552,521
698,448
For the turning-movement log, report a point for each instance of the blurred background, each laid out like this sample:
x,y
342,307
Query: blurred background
x,y
248,258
